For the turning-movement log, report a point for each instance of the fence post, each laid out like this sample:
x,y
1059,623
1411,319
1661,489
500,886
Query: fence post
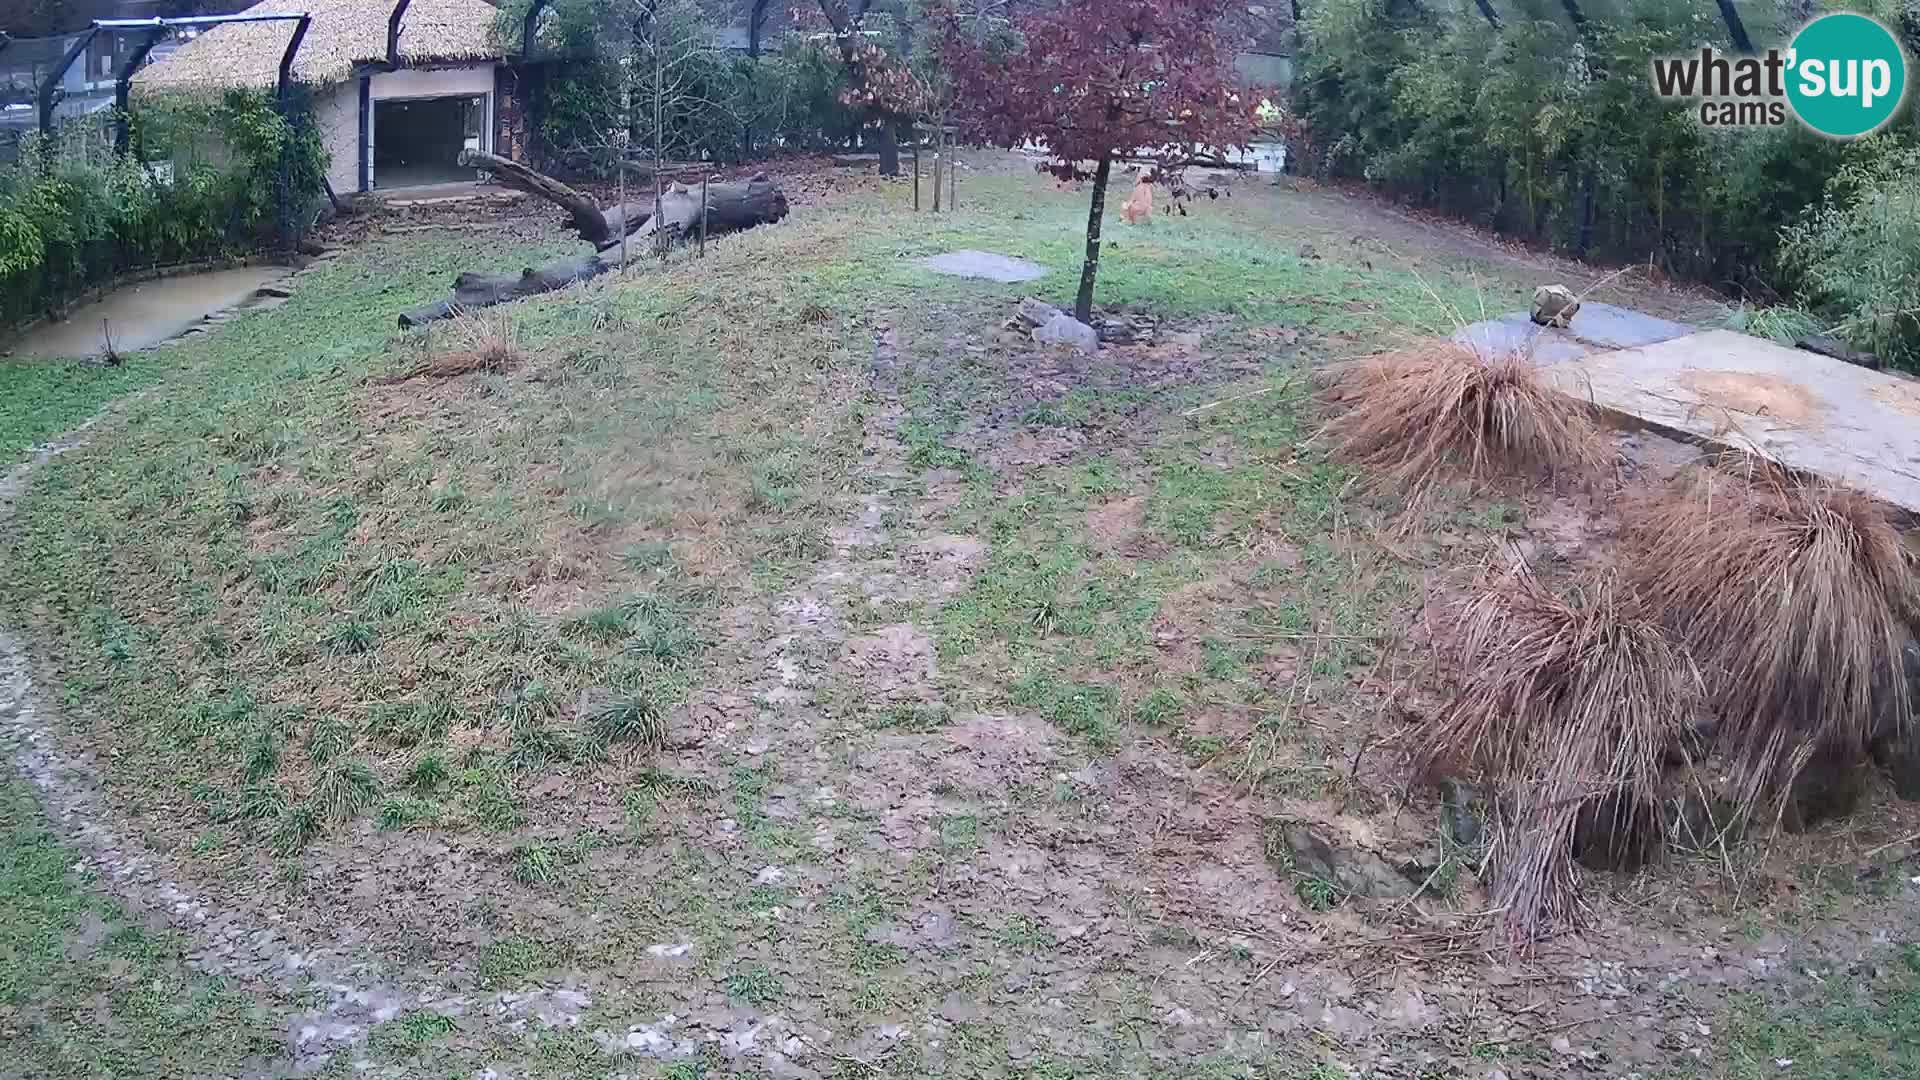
x,y
953,184
916,170
703,215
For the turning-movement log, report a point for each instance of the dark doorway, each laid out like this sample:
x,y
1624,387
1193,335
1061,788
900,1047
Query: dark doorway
x,y
418,141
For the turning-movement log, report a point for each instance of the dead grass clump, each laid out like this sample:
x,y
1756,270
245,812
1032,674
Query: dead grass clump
x,y
1418,415
1796,597
470,343
1569,708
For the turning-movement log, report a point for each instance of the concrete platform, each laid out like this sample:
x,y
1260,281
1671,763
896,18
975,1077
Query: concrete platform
x,y
1596,328
1727,390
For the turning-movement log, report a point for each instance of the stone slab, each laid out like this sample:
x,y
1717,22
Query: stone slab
x,y
1730,391
1597,328
985,265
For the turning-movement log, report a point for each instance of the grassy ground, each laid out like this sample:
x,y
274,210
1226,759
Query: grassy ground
x,y
1849,1029
774,608
87,991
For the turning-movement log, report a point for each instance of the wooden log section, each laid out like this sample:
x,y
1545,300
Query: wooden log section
x,y
731,207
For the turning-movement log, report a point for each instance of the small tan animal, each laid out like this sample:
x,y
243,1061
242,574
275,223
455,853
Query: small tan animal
x,y
1139,205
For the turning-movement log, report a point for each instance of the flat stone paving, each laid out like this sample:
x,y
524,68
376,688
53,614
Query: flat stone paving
x,y
1728,390
1595,328
985,265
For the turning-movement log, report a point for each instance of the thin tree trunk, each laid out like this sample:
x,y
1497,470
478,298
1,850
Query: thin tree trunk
x,y
756,21
659,156
1486,9
889,146
1083,304
1735,27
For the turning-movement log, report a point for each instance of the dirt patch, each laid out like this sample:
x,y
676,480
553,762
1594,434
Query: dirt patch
x,y
1771,396
1115,527
1902,396
894,662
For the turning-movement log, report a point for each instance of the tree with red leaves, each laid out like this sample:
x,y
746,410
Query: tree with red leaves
x,y
1093,80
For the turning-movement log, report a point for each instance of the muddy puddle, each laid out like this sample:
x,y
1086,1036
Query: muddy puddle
x,y
145,314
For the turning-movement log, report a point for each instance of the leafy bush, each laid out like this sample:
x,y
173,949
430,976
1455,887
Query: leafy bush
x,y
68,223
1858,255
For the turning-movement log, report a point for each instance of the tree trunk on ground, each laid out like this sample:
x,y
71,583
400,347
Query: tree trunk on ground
x,y
471,290
731,207
1083,304
587,220
1736,28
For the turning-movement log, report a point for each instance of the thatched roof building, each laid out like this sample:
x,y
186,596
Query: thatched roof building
x,y
344,35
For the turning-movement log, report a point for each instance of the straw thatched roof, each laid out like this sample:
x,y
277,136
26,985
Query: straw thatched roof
x,y
343,33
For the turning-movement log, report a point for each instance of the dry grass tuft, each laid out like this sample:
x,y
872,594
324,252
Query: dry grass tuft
x,y
1570,708
1416,416
1796,597
470,343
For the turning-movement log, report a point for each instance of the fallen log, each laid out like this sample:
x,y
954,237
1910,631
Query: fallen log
x,y
729,207
471,290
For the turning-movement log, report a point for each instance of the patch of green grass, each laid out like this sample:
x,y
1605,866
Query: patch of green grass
x,y
43,399
1087,710
87,991
755,986
910,718
407,724
428,772
959,834
1848,1029
408,1033
509,961
343,788
1023,934
636,718
299,824
408,813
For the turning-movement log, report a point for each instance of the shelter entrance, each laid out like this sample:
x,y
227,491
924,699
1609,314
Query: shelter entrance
x,y
417,141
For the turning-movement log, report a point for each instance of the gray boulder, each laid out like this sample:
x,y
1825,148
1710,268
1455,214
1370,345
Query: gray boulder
x,y
1066,330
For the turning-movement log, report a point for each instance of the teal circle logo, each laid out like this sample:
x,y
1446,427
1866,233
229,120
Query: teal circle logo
x,y
1846,75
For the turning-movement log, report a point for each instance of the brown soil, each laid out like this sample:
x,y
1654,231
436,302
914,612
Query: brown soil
x,y
1779,399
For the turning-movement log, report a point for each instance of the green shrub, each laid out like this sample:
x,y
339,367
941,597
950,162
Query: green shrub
x,y
203,178
1857,255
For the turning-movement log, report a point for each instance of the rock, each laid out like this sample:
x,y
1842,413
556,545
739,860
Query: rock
x,y
1308,251
1069,331
1037,312
1131,328
1827,345
1461,821
1353,872
1554,305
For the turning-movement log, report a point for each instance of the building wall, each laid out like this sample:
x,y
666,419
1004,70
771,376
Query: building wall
x,y
336,113
433,82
